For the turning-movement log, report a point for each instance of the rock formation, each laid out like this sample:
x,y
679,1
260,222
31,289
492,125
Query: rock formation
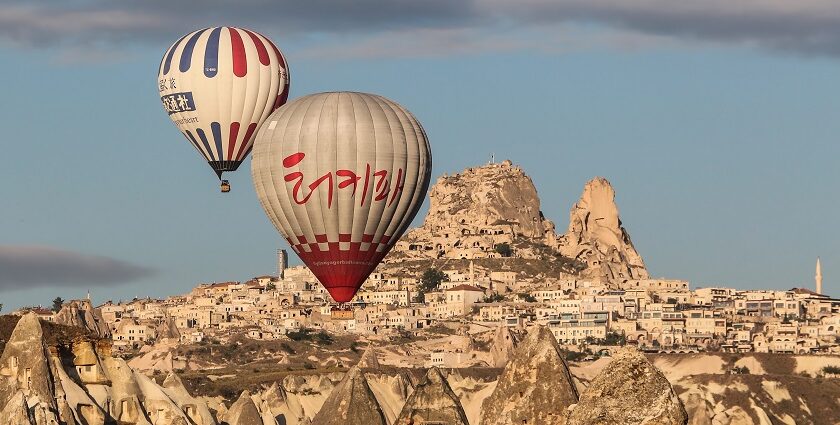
x,y
535,386
75,381
197,411
369,360
81,313
629,391
16,412
287,410
167,329
351,403
596,237
243,412
503,343
433,401
24,366
470,213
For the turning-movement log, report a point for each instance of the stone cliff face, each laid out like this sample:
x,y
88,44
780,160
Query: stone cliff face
x,y
25,369
433,401
629,391
351,403
472,212
597,238
535,386
79,382
80,313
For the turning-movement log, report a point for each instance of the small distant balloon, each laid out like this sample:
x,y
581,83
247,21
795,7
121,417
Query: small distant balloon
x,y
341,176
218,85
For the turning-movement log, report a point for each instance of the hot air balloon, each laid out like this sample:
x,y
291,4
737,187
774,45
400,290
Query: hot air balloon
x,y
218,85
341,176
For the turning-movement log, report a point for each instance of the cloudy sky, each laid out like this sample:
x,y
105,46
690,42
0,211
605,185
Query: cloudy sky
x,y
715,120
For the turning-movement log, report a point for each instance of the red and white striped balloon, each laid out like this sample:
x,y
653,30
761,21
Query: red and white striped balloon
x,y
341,176
218,85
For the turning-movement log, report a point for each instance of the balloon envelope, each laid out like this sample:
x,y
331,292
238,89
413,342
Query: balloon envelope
x,y
218,85
341,176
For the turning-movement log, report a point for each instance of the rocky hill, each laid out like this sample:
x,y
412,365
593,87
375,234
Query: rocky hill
x,y
494,211
470,213
597,238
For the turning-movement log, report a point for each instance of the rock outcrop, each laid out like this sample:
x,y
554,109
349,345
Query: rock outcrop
x,y
629,391
368,359
16,412
76,381
80,313
503,344
535,386
471,212
433,402
197,411
243,412
24,366
351,403
167,329
597,238
287,410
475,213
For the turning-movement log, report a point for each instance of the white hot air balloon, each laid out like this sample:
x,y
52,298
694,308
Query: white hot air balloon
x,y
218,85
341,176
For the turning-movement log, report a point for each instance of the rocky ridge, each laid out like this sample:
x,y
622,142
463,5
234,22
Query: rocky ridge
x,y
494,211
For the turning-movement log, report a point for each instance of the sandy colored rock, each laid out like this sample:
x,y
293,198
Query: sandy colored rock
x,y
15,411
629,391
535,385
369,359
286,409
472,211
196,410
167,329
433,401
243,411
24,365
351,403
391,392
597,238
503,344
82,314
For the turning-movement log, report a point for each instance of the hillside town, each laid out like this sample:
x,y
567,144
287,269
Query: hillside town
x,y
483,315
604,295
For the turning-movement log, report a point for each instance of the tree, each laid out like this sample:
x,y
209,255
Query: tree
x,y
58,302
528,298
494,297
270,286
504,249
429,282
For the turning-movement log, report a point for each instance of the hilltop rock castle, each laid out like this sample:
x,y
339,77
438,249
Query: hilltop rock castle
x,y
473,213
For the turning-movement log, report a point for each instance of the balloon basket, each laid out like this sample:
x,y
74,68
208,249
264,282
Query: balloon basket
x,y
225,186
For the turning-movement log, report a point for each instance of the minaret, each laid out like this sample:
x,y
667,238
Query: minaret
x,y
282,263
818,277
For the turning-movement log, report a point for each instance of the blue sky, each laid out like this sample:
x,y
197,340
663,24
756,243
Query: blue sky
x,y
717,126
